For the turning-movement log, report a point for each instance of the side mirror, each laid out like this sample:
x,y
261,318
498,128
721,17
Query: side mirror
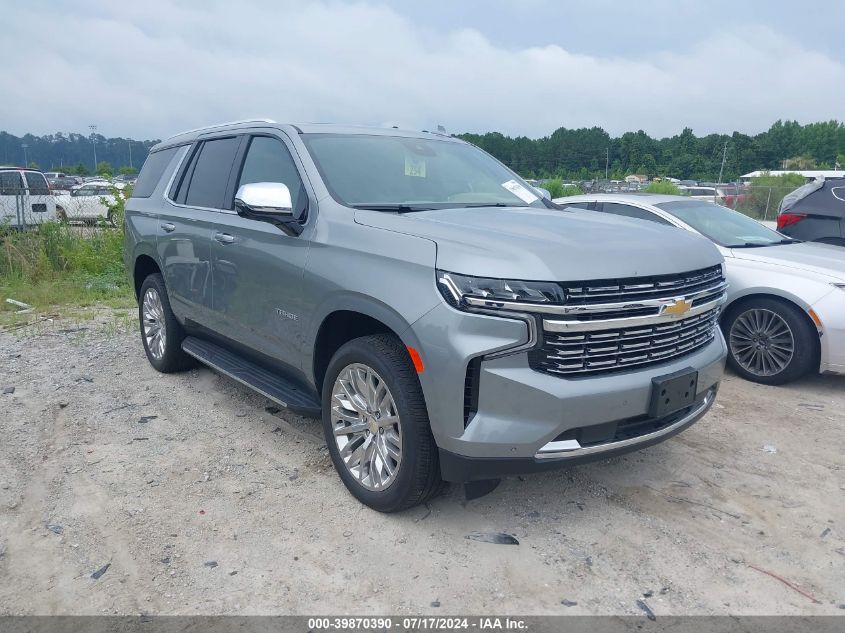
x,y
264,200
544,192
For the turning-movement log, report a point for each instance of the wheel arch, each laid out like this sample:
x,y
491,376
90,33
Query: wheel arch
x,y
143,267
782,297
345,321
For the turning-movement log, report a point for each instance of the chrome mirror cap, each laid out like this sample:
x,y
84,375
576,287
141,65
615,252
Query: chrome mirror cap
x,y
272,198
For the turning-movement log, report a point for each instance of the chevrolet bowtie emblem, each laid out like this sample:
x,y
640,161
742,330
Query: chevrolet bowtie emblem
x,y
677,307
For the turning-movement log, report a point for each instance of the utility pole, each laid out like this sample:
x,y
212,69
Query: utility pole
x,y
722,168
93,129
606,162
25,161
129,141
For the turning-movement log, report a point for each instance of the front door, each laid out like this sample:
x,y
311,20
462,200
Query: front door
x,y
258,268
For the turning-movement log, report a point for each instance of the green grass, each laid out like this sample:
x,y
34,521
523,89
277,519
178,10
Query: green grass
x,y
56,265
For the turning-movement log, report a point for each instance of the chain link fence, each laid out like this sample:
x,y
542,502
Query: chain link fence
x,y
760,203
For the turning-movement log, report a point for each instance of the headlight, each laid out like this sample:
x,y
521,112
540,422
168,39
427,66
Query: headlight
x,y
464,292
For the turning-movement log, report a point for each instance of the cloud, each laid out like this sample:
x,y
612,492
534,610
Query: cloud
x,y
153,68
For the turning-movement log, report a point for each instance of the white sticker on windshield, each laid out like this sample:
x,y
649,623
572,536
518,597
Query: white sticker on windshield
x,y
414,166
519,191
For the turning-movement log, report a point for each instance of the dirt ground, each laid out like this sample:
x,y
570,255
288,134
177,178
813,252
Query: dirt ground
x,y
201,500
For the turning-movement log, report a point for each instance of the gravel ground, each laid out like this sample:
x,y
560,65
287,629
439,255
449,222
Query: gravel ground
x,y
127,491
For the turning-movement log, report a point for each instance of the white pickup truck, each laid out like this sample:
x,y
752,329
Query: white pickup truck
x,y
24,198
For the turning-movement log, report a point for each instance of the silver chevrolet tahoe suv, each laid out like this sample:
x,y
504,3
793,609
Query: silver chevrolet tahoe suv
x,y
443,318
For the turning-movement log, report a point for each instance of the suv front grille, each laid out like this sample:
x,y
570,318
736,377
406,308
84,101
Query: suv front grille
x,y
631,323
609,350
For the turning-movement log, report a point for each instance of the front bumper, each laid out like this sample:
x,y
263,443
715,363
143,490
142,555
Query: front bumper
x,y
460,468
519,411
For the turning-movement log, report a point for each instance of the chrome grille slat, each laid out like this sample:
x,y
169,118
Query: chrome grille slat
x,y
678,343
630,289
623,348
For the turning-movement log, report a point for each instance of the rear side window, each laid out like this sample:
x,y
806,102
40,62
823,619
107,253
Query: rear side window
x,y
36,183
10,183
152,172
211,173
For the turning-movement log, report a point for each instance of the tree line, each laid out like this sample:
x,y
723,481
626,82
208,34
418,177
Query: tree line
x,y
74,153
579,154
584,153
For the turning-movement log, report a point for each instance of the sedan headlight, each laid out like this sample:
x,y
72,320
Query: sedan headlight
x,y
465,292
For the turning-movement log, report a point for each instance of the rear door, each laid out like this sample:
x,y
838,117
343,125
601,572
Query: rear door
x,y
258,268
186,223
39,203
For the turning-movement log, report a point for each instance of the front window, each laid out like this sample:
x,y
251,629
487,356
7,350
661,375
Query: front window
x,y
414,174
725,227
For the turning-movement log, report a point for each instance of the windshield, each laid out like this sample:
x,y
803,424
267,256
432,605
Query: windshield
x,y
722,225
411,174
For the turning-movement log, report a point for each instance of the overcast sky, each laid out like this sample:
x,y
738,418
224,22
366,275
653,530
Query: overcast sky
x,y
149,69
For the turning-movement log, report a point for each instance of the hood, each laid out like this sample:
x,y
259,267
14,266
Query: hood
x,y
808,257
548,244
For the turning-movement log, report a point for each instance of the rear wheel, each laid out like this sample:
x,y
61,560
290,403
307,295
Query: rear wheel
x,y
376,425
770,341
161,333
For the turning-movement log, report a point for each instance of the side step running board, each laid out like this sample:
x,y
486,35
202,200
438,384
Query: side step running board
x,y
268,384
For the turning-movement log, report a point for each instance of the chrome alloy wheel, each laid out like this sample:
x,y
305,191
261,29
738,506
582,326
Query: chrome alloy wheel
x,y
366,426
155,332
762,342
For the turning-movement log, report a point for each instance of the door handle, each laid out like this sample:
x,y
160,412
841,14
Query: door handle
x,y
168,227
224,238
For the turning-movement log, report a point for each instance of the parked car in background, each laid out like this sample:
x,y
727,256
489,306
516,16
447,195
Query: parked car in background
x,y
815,212
445,321
90,202
699,192
24,197
786,302
59,181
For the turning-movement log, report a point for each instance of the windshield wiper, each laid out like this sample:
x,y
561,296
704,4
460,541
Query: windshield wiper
x,y
399,208
789,241
752,245
478,205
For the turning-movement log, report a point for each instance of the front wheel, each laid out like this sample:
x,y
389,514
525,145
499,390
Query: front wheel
x,y
770,341
376,425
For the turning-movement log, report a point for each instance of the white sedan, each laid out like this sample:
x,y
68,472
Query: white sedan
x,y
89,202
785,314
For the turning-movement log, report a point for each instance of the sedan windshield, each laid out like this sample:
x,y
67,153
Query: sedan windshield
x,y
393,173
722,225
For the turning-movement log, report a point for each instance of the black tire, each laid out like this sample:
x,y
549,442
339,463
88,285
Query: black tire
x,y
805,356
172,359
418,475
61,215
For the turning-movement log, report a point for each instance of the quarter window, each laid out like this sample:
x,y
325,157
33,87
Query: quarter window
x,y
152,171
211,173
268,160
